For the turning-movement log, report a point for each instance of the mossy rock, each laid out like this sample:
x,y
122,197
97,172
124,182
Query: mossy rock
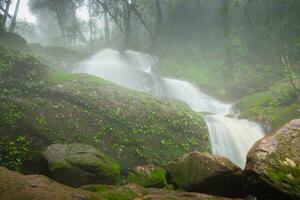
x,y
13,41
274,107
273,165
17,186
148,176
205,173
79,164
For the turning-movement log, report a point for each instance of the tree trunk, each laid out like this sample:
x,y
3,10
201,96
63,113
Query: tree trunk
x,y
158,22
61,23
14,19
90,20
74,31
226,31
127,23
112,15
6,13
106,26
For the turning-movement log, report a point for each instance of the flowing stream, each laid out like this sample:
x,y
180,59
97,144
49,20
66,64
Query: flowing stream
x,y
229,137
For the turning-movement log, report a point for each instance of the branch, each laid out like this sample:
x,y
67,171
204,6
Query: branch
x,y
104,6
139,15
1,8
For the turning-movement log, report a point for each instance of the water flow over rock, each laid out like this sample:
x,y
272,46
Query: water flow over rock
x,y
229,137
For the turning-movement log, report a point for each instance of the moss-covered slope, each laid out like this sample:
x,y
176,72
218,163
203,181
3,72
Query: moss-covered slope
x,y
273,107
53,107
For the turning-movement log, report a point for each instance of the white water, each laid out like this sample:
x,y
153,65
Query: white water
x,y
229,137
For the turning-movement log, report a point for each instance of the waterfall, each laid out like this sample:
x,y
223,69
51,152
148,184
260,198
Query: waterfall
x,y
229,137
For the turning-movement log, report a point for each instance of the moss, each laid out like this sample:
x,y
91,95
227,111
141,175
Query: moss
x,y
57,165
155,177
283,165
287,175
58,58
64,108
112,192
273,107
60,76
13,41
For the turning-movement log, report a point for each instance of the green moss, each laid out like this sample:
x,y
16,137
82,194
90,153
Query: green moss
x,y
68,108
58,58
57,165
281,175
273,107
112,192
97,188
151,178
55,76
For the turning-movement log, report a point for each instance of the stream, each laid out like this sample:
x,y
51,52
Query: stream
x,y
229,136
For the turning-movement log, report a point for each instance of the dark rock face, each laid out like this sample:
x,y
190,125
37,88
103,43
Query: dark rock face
x,y
205,173
79,164
148,176
273,165
16,186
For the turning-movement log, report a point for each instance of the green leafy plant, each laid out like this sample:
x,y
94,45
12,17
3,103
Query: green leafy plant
x,y
13,152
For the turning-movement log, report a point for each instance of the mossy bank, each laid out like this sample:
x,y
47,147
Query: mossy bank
x,y
273,107
49,107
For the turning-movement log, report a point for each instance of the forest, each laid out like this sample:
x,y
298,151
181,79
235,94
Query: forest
x,y
149,99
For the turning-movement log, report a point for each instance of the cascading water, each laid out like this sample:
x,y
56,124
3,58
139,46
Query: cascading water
x,y
229,137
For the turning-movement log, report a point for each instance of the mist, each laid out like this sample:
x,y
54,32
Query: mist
x,y
140,99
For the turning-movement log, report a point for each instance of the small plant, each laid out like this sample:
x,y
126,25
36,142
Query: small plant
x,y
13,152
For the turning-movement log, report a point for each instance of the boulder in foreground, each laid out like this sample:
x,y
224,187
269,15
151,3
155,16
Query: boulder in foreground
x,y
16,186
273,165
80,164
205,173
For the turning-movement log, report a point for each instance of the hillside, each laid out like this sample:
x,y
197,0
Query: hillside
x,y
49,107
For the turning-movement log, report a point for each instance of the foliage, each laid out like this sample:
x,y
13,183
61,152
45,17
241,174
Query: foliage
x,y
13,152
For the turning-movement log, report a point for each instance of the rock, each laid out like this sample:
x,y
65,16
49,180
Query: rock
x,y
13,41
136,192
205,173
148,176
273,164
16,186
79,164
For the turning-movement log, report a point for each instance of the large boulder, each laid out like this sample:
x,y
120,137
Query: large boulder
x,y
205,173
79,164
17,186
148,176
273,165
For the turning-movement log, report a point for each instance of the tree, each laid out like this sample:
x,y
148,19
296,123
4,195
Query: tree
x,y
279,38
6,13
226,31
65,13
106,26
14,18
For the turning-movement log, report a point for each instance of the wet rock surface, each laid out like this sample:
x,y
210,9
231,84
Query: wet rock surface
x,y
79,164
205,173
273,165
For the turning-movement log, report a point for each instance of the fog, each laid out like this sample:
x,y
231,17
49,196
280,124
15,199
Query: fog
x,y
179,94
